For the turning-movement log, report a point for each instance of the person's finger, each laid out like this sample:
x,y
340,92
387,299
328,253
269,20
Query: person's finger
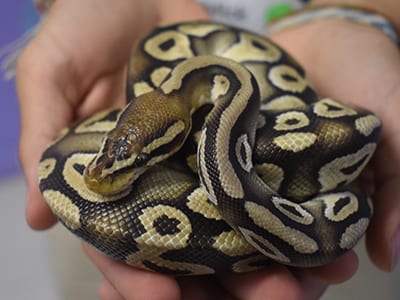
x,y
43,113
132,283
315,281
107,291
313,287
202,288
273,282
339,271
383,236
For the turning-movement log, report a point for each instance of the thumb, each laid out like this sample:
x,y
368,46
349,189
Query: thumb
x,y
44,112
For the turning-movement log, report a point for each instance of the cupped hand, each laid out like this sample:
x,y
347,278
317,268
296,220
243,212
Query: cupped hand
x,y
64,75
74,67
358,64
275,282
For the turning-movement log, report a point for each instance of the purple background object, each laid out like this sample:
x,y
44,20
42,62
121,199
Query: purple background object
x,y
15,18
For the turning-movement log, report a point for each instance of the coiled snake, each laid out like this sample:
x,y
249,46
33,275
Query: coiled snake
x,y
274,162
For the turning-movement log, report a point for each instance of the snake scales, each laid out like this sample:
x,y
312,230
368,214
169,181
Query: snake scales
x,y
274,162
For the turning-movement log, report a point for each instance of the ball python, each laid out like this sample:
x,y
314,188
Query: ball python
x,y
223,160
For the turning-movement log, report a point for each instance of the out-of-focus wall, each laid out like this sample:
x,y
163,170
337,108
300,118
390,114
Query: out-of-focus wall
x,y
15,18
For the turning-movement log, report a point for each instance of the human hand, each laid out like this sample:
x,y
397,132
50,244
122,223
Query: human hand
x,y
275,282
75,66
360,65
63,76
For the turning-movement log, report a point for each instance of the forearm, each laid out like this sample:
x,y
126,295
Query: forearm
x,y
390,8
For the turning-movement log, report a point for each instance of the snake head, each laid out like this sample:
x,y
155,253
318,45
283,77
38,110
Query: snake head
x,y
142,137
120,161
124,157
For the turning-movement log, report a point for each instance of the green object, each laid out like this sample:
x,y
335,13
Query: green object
x,y
277,11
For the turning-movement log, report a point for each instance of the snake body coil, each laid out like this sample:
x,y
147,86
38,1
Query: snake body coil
x,y
274,162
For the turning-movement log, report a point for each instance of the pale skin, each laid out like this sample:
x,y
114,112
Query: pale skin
x,y
75,66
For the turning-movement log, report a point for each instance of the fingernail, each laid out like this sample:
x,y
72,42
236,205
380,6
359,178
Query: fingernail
x,y
396,252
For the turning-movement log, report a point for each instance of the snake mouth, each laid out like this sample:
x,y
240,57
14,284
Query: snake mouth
x,y
111,183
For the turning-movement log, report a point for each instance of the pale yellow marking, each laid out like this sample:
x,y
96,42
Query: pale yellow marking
x,y
120,164
46,167
295,142
142,87
221,86
153,255
245,162
159,75
63,208
172,132
277,74
197,136
191,161
204,170
248,264
330,201
353,233
282,122
246,51
110,224
233,244
180,49
93,124
229,180
199,31
333,133
198,202
75,180
174,83
261,121
366,125
152,238
306,218
260,72
330,175
263,218
321,108
122,181
157,159
283,103
63,132
273,252
271,174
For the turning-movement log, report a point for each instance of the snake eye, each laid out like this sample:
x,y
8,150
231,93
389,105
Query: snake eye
x,y
141,160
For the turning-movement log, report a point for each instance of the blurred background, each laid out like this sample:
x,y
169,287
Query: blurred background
x,y
50,265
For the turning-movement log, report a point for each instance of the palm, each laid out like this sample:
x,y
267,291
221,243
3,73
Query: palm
x,y
66,73
339,66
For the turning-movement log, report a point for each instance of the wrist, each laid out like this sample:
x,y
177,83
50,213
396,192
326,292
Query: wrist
x,y
352,14
388,8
